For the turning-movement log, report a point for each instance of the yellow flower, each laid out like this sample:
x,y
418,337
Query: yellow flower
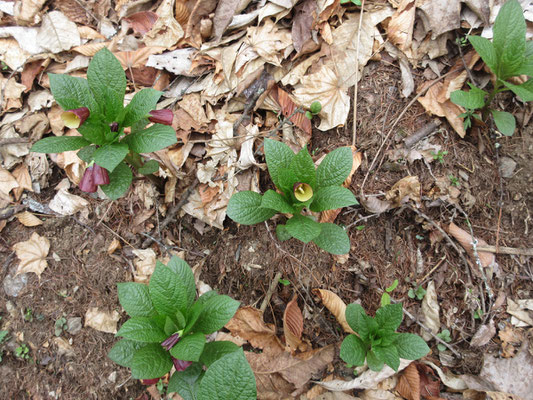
x,y
302,191
74,118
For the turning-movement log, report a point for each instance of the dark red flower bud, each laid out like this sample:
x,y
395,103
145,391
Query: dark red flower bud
x,y
74,118
114,126
149,382
100,175
181,365
169,342
87,181
164,117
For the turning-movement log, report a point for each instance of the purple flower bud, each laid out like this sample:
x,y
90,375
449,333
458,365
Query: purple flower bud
x,y
100,175
114,126
87,181
164,117
74,118
169,342
181,365
149,382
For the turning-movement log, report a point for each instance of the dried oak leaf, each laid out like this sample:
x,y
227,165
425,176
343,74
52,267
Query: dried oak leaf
x,y
409,383
335,305
465,239
32,254
26,218
293,325
142,21
102,321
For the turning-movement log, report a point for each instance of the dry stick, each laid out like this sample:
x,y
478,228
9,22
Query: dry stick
x,y
506,250
270,291
395,123
432,270
354,127
173,211
413,139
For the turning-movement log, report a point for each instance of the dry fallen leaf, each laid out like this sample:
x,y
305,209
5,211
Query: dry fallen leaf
x,y
430,310
102,321
268,41
409,383
66,203
58,33
405,189
484,334
293,325
144,265
335,305
166,31
32,254
465,239
511,338
26,218
7,183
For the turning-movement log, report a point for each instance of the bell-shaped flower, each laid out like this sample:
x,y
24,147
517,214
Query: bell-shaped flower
x,y
164,117
149,382
100,174
181,365
93,176
302,191
169,342
74,118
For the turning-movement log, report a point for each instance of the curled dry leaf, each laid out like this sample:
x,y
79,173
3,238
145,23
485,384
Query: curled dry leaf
x,y
66,203
58,33
430,310
268,41
374,205
449,380
484,334
144,265
166,31
335,305
26,218
511,338
114,245
23,178
32,254
465,239
293,325
142,21
102,321
405,189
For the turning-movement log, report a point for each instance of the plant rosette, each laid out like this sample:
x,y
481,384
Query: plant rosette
x,y
300,186
168,327
377,340
95,107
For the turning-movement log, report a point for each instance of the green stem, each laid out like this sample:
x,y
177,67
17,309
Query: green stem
x,y
485,110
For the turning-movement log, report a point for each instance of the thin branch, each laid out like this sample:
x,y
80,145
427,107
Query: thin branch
x,y
354,127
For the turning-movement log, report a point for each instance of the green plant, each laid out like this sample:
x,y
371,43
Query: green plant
x,y
315,108
284,282
508,55
3,336
22,352
454,181
385,297
439,156
168,326
28,315
356,2
377,340
446,337
95,107
418,292
60,325
301,186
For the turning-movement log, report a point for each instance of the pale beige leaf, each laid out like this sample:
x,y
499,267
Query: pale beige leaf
x,y
58,33
377,394
409,383
465,239
335,305
144,265
90,49
89,33
66,203
26,218
12,53
166,31
268,41
293,324
7,183
440,16
374,205
430,310
400,27
12,93
101,320
114,245
325,86
450,380
32,254
471,394
484,334
63,347
520,311
405,189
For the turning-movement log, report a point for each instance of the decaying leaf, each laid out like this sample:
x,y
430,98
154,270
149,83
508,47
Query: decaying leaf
x,y
114,245
144,265
66,203
142,21
32,254
101,320
484,334
26,218
471,394
166,31
293,325
405,189
430,310
409,383
58,33
7,183
268,41
521,310
22,175
511,338
335,305
465,239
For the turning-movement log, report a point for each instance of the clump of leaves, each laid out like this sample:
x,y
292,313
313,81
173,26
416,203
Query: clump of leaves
x,y
445,336
300,186
168,326
439,156
377,340
3,336
314,109
508,55
418,292
60,325
22,352
95,107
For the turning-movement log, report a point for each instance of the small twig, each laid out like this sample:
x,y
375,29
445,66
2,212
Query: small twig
x,y
506,250
464,62
270,291
432,270
362,219
247,108
167,248
411,140
354,126
117,235
83,225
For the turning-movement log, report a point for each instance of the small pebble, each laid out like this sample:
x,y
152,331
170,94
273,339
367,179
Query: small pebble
x,y
74,325
507,167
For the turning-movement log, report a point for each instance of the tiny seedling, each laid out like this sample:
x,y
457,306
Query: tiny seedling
x,y
419,292
507,56
385,297
315,108
439,156
168,327
444,336
478,313
28,315
22,352
285,282
360,227
356,2
454,181
95,107
377,340
3,337
60,325
300,186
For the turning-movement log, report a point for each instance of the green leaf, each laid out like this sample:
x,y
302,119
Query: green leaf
x,y
355,317
185,383
527,66
185,275
374,363
331,198
245,208
194,313
94,130
71,92
217,312
171,327
110,155
509,38
303,228
107,81
486,50
215,350
275,201
189,348
390,317
278,156
150,362
151,139
142,329
149,167
385,299
122,352
410,346
524,91
353,350
119,181
389,354
505,122
287,178
303,167
282,233
229,378
59,144
335,167
333,239
135,299
471,100
167,291
86,153
142,103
